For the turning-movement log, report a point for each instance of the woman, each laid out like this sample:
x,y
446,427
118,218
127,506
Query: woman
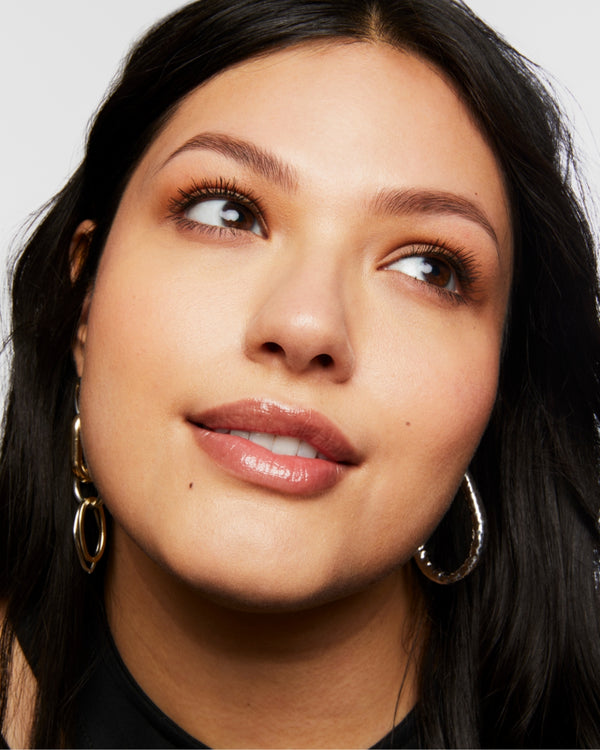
x,y
318,300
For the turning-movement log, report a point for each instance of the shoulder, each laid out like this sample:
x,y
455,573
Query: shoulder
x,y
21,695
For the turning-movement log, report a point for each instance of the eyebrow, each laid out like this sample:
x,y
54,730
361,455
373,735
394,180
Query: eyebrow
x,y
433,202
249,154
391,202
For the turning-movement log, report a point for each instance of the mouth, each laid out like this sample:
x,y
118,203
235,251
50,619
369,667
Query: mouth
x,y
280,445
291,450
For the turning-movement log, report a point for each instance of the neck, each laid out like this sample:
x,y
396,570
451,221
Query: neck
x,y
336,675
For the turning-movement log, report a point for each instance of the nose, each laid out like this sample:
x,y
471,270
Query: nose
x,y
301,323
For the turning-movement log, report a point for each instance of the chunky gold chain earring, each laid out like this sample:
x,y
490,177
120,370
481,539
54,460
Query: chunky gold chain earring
x,y
82,475
478,534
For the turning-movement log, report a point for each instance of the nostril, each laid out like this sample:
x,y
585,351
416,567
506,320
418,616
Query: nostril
x,y
271,346
322,360
325,360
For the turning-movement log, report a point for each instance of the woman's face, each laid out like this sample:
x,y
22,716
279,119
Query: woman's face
x,y
317,249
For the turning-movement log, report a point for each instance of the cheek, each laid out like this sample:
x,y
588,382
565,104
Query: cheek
x,y
458,389
439,376
160,331
150,321
140,332
433,397
435,390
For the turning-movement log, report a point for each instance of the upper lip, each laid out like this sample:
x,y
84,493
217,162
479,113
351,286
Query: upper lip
x,y
256,415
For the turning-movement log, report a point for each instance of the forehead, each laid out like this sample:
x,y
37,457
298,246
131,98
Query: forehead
x,y
346,116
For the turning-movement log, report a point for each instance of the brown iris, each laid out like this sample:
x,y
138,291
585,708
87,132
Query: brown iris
x,y
436,272
236,215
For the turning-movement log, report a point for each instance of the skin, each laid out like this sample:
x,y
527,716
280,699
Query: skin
x,y
280,608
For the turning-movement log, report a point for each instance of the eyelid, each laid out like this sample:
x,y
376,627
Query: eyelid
x,y
226,189
463,264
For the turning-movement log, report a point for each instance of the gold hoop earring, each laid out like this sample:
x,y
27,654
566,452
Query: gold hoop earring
x,y
478,536
82,475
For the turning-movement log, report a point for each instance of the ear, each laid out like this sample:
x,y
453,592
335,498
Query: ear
x,y
78,347
77,255
78,249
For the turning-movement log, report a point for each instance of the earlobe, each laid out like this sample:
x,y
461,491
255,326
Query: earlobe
x,y
81,335
77,256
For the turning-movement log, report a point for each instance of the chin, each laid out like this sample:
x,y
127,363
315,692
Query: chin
x,y
275,600
244,578
281,591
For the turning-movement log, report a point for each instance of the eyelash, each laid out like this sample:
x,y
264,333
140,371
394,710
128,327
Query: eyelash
x,y
462,263
222,188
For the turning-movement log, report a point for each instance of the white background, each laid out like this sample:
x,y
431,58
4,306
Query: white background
x,y
57,57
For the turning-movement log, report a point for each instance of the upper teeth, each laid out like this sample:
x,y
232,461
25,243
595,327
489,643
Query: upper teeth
x,y
283,445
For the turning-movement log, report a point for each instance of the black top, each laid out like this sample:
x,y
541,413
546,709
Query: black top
x,y
114,712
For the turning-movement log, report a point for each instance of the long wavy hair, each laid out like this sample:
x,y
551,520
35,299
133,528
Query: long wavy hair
x,y
513,652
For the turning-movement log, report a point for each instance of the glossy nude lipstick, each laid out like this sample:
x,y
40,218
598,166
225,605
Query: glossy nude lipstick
x,y
287,449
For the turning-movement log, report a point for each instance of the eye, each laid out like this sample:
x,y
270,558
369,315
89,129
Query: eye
x,y
224,212
428,268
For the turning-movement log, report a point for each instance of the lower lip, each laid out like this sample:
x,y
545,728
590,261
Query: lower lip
x,y
252,463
